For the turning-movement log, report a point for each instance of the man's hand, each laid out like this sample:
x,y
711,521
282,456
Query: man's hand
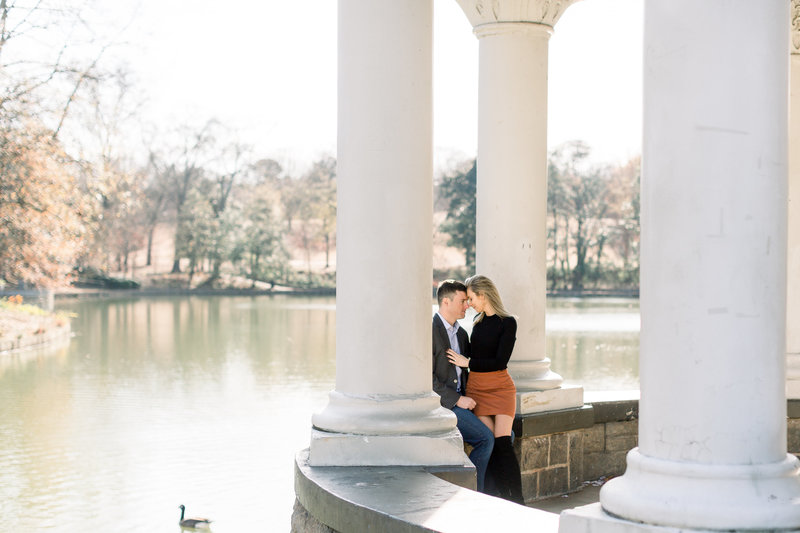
x,y
465,402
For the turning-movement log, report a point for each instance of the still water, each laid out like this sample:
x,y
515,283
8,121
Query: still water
x,y
204,402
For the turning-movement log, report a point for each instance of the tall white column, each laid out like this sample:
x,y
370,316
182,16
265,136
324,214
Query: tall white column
x,y
511,232
712,429
383,411
793,279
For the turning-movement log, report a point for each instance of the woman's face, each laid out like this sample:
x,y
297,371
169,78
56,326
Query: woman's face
x,y
476,301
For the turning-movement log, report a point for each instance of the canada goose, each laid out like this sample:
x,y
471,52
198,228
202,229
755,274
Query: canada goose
x,y
195,523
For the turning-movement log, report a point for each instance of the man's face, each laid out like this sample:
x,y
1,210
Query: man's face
x,y
455,308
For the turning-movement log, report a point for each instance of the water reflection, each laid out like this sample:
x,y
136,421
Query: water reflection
x,y
205,401
201,401
594,342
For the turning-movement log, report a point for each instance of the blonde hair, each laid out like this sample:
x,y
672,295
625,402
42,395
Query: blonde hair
x,y
483,286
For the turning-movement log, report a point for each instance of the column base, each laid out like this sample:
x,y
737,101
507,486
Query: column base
x,y
348,449
566,397
592,519
384,415
534,375
383,430
706,496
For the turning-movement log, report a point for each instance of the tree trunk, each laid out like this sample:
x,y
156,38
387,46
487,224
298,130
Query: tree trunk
x,y
579,272
150,246
565,268
555,250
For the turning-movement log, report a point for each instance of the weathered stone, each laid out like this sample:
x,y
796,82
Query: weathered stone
x,y
597,465
303,522
562,398
793,408
575,460
534,453
534,425
615,429
616,411
558,449
530,485
793,435
623,443
553,481
594,438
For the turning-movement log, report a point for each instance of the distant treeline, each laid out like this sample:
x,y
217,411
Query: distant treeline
x,y
84,183
592,225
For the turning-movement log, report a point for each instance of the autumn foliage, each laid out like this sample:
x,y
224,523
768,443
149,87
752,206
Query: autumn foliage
x,y
41,213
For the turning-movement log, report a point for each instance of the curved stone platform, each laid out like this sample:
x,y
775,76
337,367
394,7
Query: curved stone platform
x,y
404,499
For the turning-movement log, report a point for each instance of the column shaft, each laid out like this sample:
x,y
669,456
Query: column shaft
x,y
511,232
793,256
712,430
384,243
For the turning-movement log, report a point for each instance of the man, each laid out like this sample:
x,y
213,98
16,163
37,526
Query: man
x,y
449,381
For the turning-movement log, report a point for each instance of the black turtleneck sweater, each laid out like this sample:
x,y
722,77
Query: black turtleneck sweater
x,y
492,342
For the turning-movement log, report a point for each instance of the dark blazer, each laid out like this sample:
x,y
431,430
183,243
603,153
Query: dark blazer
x,y
445,378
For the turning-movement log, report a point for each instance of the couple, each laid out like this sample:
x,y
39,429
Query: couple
x,y
472,380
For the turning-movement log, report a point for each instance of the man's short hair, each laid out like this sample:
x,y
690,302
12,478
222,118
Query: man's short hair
x,y
448,288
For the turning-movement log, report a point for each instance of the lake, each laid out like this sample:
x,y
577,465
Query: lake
x,y
204,401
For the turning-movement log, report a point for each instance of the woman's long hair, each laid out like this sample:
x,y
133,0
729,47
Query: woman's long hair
x,y
483,286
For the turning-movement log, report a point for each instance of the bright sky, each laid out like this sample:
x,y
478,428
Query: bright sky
x,y
268,69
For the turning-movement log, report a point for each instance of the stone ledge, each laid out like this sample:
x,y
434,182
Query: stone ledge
x,y
793,408
405,499
614,406
548,400
620,411
537,424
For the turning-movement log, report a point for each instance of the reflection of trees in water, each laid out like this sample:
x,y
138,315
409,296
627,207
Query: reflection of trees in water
x,y
284,338
285,341
171,395
598,361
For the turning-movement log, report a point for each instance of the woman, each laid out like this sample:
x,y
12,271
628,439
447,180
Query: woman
x,y
492,341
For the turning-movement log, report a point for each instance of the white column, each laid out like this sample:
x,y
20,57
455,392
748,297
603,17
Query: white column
x,y
383,411
712,429
511,232
793,279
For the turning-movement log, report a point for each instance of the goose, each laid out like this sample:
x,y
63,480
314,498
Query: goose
x,y
194,523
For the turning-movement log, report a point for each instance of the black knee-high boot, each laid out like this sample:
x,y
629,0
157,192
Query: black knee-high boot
x,y
506,470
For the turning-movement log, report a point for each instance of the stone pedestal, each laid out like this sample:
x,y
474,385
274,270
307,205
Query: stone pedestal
x,y
511,232
712,428
383,411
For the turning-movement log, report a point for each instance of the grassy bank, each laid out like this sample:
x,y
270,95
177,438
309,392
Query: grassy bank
x,y
27,326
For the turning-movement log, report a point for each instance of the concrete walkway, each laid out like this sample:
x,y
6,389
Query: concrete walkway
x,y
589,494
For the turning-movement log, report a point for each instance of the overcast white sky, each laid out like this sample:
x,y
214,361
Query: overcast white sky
x,y
269,69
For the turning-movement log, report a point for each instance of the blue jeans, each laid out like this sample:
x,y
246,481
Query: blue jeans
x,y
476,434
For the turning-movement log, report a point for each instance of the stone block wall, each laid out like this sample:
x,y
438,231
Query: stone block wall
x,y
793,427
559,451
550,449
605,446
551,464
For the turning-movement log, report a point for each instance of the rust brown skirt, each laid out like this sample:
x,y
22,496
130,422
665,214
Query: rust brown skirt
x,y
493,392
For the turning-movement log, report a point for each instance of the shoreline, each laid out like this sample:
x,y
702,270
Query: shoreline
x,y
85,293
22,331
77,293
